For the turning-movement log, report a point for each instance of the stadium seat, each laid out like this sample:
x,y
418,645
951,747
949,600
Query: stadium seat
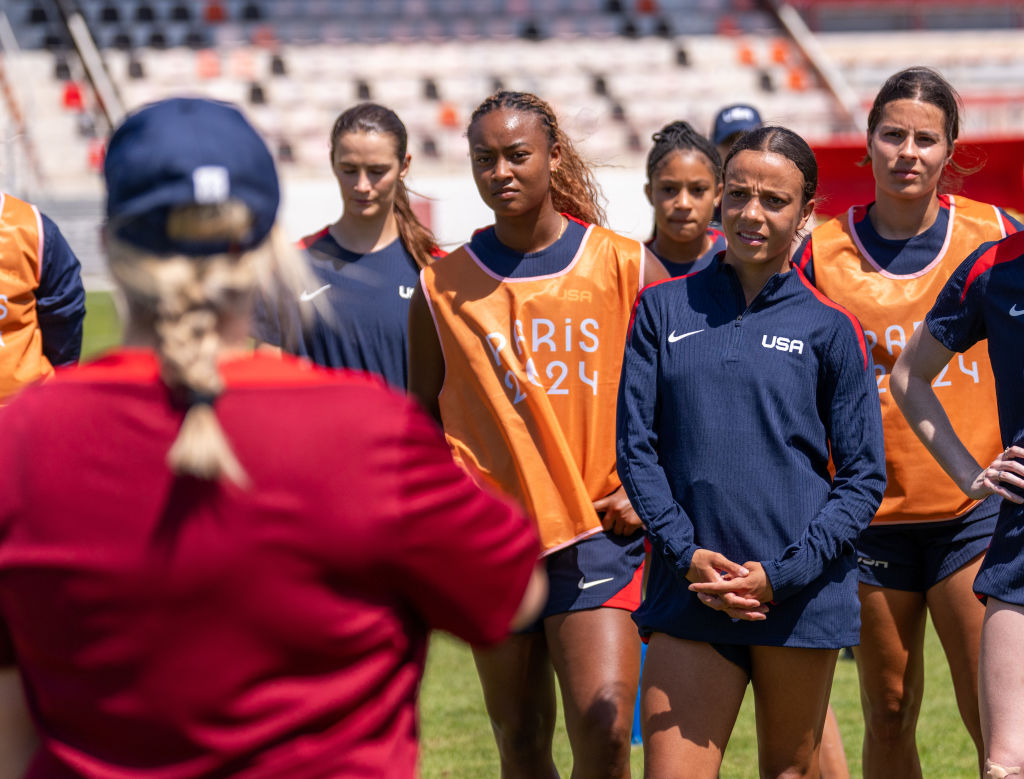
x,y
37,15
110,14
135,69
181,12
61,68
214,12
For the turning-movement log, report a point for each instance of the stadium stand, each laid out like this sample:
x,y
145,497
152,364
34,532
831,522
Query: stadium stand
x,y
616,70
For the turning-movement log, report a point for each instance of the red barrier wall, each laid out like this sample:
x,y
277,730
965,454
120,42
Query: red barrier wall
x,y
1000,180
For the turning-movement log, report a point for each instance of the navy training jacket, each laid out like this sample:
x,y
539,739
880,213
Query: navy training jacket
x,y
727,417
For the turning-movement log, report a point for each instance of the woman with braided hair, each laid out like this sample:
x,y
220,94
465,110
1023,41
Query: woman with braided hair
x,y
515,346
220,563
684,185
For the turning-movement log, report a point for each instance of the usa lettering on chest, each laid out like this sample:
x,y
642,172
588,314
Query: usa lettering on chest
x,y
556,347
782,343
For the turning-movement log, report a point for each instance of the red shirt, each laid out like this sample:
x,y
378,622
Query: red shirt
x,y
169,627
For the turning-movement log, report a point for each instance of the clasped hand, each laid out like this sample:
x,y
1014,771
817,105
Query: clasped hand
x,y
1006,469
617,513
741,591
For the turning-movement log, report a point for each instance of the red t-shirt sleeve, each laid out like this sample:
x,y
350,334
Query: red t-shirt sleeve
x,y
464,555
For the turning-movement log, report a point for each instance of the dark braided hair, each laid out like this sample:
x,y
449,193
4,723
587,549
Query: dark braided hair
x,y
682,137
372,118
573,188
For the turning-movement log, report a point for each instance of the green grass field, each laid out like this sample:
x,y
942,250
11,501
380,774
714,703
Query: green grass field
x,y
102,327
457,742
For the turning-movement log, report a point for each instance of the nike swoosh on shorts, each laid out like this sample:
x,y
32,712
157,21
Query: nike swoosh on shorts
x,y
585,585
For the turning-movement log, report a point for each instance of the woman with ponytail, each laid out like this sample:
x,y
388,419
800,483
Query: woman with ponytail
x,y
516,342
886,262
220,563
356,312
684,185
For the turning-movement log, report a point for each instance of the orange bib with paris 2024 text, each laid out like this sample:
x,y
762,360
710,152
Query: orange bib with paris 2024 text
x,y
21,254
890,308
531,376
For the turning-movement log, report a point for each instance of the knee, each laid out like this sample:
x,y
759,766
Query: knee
x,y
893,719
790,772
523,738
793,766
606,724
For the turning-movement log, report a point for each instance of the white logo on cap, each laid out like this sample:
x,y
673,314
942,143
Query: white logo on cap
x,y
211,184
738,114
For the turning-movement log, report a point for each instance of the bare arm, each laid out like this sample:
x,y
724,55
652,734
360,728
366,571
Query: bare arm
x,y
18,737
911,387
426,360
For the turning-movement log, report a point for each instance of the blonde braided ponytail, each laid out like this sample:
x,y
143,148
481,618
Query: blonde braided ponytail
x,y
187,303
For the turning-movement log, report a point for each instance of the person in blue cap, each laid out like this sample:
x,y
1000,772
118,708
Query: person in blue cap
x,y
730,123
215,562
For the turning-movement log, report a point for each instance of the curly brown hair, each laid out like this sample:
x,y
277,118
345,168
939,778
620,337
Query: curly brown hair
x,y
574,190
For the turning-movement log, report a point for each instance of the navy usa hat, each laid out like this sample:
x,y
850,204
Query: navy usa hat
x,y
734,119
181,152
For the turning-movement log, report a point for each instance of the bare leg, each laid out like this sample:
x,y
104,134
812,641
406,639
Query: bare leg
x,y
791,691
1002,685
890,663
519,693
833,755
18,736
596,656
958,617
690,698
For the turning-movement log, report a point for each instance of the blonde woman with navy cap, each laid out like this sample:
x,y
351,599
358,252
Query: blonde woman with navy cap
x,y
183,590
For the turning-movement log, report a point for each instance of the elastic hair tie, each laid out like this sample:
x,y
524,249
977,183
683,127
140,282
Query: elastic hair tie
x,y
194,397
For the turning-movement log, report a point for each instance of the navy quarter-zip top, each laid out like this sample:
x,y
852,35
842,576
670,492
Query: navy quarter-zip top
x,y
727,418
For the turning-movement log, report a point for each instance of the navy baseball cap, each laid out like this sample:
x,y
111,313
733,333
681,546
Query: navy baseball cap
x,y
187,151
734,119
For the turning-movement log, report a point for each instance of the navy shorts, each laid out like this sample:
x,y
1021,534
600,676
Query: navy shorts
x,y
738,655
601,570
918,556
1002,572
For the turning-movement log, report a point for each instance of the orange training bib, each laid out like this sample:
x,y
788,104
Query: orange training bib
x,y
890,308
531,376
